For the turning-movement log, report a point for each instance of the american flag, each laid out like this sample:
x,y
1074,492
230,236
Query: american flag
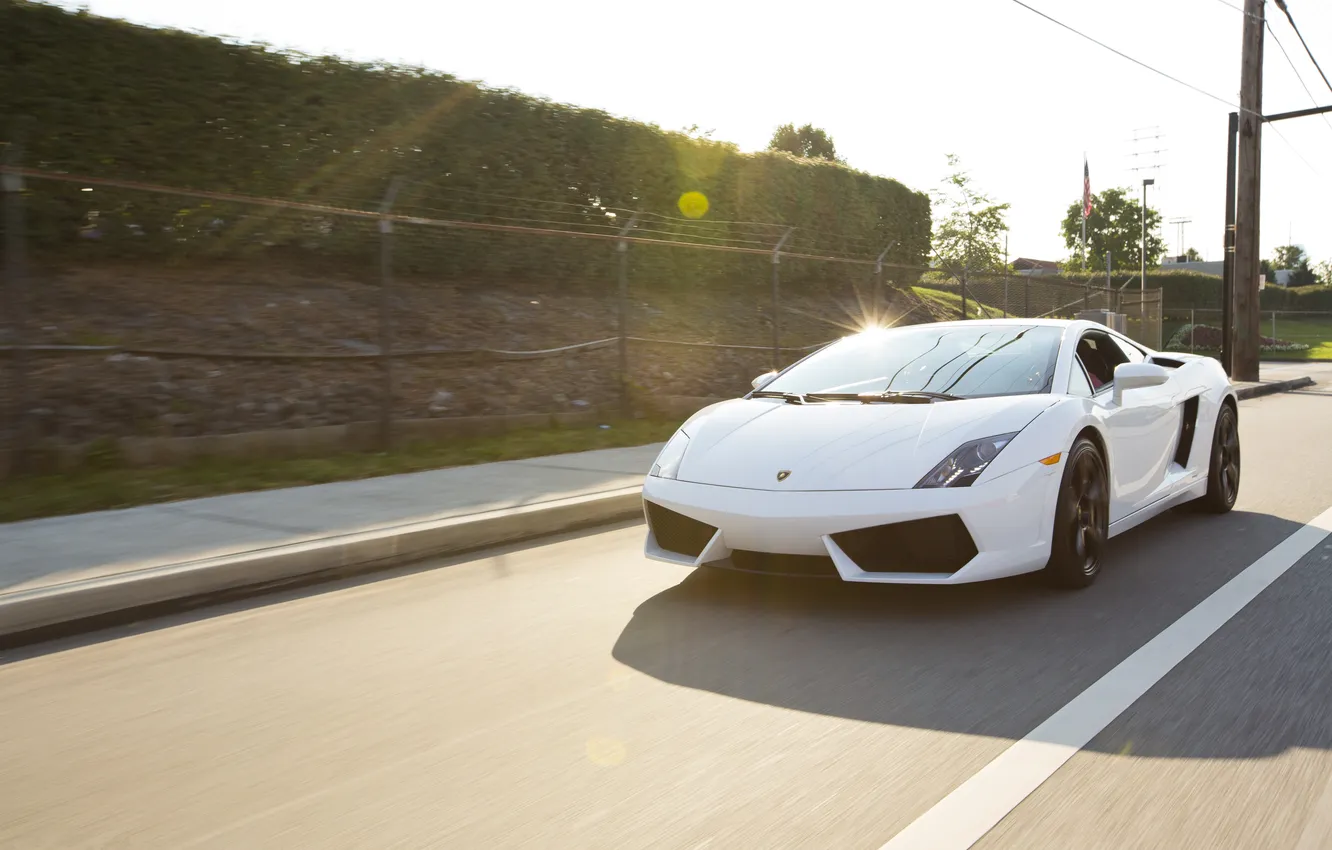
x,y
1086,189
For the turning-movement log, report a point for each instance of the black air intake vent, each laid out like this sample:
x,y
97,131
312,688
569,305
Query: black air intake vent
x,y
677,532
938,544
1188,423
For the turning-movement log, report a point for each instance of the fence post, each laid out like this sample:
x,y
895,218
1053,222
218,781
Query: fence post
x,y
1007,278
1193,327
622,248
385,321
878,281
15,277
1026,296
777,299
1274,336
964,294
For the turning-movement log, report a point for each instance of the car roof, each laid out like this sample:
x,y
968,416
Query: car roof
x,y
1075,325
1060,323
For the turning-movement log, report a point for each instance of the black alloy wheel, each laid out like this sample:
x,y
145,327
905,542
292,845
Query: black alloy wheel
x,y
1082,519
1223,473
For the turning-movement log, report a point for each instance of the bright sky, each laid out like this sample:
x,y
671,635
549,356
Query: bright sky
x,y
897,83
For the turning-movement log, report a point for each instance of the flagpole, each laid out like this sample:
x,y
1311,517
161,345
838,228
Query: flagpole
x,y
1084,238
1084,211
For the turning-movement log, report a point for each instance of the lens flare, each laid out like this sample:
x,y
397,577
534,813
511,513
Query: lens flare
x,y
693,204
606,752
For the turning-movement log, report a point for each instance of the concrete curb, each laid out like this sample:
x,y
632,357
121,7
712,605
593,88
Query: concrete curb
x,y
100,598
92,599
1259,390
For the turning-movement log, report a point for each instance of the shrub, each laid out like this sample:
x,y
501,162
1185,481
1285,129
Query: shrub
x,y
116,100
1207,338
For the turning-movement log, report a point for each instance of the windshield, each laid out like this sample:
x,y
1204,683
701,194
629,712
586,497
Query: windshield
x,y
964,361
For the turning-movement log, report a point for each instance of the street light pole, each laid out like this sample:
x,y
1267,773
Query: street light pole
x,y
1142,281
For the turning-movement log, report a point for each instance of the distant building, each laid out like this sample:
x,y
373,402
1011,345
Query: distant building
x,y
1217,268
1179,264
1035,268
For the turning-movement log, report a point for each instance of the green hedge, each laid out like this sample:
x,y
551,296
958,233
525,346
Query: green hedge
x,y
1178,288
1183,290
112,99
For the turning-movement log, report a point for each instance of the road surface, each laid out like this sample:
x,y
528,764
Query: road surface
x,y
573,695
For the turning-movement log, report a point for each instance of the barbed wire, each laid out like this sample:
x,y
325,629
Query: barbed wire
x,y
578,213
326,209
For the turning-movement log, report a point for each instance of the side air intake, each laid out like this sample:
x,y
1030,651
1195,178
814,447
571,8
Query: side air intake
x,y
1188,424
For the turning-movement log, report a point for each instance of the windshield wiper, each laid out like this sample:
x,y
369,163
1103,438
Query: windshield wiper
x,y
789,398
926,394
886,397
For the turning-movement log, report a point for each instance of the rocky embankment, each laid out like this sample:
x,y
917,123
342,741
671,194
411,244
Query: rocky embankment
x,y
235,310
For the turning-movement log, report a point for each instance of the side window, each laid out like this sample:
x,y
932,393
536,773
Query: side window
x,y
1100,354
1077,380
1132,353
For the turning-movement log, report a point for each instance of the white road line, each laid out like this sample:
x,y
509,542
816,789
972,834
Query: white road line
x,y
1317,833
963,817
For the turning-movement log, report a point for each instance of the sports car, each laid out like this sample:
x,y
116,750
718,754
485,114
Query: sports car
x,y
947,453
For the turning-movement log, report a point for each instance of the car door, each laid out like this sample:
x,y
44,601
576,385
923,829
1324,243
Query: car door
x,y
1140,430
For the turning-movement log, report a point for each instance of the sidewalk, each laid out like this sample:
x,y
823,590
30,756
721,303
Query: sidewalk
x,y
1276,371
70,568
1279,376
303,527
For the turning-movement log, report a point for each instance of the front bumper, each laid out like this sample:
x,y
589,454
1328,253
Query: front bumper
x,y
1009,521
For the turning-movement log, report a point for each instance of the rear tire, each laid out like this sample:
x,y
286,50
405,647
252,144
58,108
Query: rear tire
x,y
1081,523
1223,469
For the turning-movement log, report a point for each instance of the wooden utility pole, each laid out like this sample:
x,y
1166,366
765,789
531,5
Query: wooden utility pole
x,y
1246,331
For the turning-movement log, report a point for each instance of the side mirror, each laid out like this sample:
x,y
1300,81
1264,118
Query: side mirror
x,y
1135,376
763,379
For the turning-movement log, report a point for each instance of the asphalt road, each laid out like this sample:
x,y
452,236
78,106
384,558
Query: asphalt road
x,y
574,695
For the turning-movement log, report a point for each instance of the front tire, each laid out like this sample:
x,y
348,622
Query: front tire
x,y
1082,519
1223,472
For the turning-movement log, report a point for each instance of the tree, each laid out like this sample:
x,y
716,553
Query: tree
x,y
1304,275
1323,272
1288,257
1115,225
1193,256
968,225
1294,258
809,142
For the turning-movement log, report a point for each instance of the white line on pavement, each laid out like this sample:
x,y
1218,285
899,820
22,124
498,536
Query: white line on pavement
x,y
963,817
1317,833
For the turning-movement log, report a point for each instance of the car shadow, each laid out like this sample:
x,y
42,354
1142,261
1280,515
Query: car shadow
x,y
993,659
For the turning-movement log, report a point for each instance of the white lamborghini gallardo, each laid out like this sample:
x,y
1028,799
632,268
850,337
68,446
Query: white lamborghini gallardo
x,y
947,453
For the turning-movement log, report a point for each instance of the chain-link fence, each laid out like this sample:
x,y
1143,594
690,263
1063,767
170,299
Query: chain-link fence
x,y
185,314
1284,334
1023,296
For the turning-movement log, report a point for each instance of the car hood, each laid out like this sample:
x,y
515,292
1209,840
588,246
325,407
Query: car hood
x,y
840,445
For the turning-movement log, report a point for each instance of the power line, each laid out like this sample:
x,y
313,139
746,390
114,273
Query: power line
x,y
1281,4
1296,71
1295,150
1124,55
1298,76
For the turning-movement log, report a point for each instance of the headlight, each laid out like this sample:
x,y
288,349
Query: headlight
x,y
965,465
668,462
